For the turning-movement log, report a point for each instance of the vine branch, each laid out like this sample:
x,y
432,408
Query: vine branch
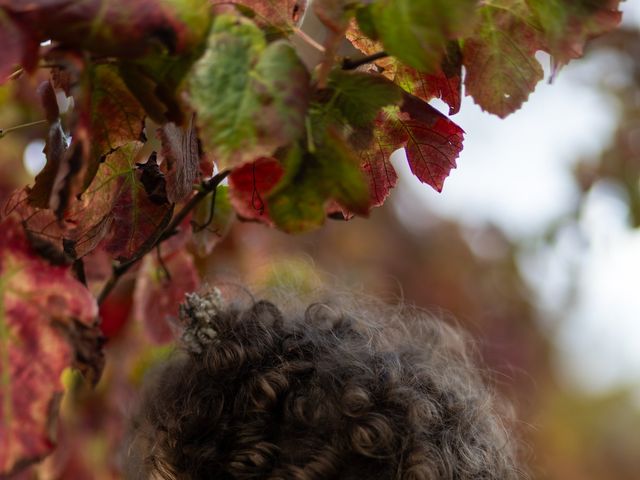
x,y
348,64
170,230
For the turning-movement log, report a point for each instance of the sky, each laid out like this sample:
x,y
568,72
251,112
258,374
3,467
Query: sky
x,y
516,174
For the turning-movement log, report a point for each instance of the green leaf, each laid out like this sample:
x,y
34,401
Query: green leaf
x,y
500,57
417,31
332,172
360,96
296,205
251,98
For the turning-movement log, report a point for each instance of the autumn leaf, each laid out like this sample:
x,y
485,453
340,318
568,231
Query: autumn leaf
x,y
375,151
249,186
432,141
181,159
500,57
116,116
160,289
251,98
417,31
47,323
568,24
282,13
359,96
119,28
117,211
312,179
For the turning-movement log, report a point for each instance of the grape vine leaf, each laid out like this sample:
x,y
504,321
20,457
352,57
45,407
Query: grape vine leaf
x,y
375,163
117,210
431,140
251,98
311,180
359,96
417,31
119,28
249,186
568,24
499,57
282,14
180,158
47,323
445,82
160,289
116,116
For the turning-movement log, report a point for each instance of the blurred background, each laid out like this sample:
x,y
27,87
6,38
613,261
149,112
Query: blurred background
x,y
534,247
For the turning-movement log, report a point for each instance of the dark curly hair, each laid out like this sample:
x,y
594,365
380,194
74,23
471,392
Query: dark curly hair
x,y
388,393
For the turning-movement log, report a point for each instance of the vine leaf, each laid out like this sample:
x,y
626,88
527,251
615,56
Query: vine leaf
x,y
249,186
160,289
116,211
431,140
118,28
180,158
417,31
500,58
283,13
374,161
568,24
47,323
116,117
251,98
313,181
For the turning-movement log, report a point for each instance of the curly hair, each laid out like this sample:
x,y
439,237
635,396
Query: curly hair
x,y
388,394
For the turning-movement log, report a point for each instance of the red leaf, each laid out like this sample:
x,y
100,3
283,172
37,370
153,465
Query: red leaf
x,y
46,324
249,186
159,292
431,140
117,210
121,28
379,171
445,84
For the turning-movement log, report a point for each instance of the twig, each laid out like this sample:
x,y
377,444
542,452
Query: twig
x,y
170,230
4,131
348,64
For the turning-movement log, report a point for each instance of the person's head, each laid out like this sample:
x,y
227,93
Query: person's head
x,y
385,393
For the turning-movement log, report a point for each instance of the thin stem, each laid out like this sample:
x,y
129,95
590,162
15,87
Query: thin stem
x,y
16,74
172,228
349,64
4,131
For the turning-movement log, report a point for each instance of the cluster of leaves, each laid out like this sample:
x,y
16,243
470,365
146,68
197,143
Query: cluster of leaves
x,y
165,93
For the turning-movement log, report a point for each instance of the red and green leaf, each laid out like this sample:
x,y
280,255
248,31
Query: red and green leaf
x,y
117,211
251,98
500,57
417,31
568,24
47,323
